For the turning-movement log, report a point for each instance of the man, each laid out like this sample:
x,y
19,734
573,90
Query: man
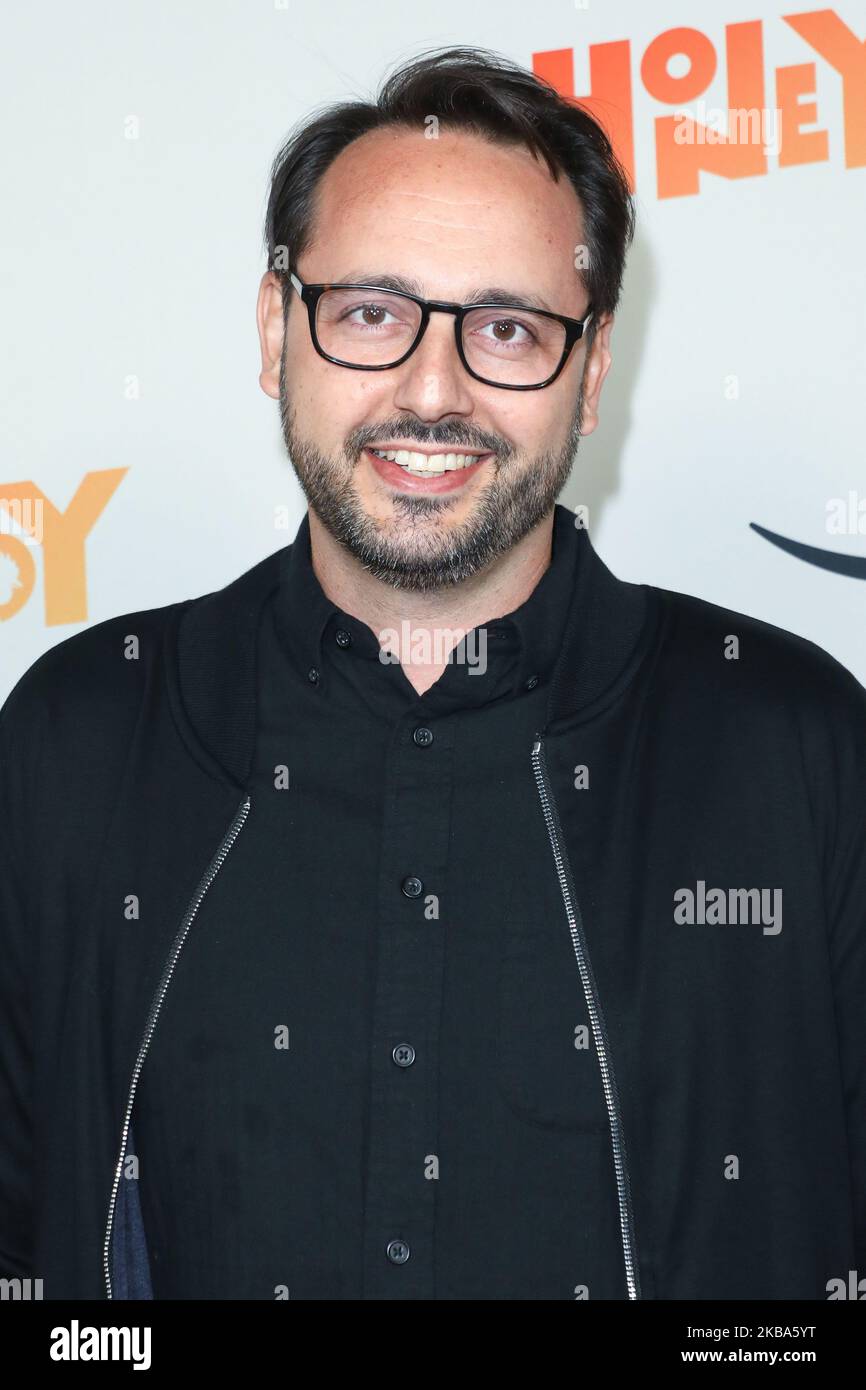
x,y
430,914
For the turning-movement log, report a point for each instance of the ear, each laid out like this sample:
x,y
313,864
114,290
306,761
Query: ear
x,y
269,319
595,370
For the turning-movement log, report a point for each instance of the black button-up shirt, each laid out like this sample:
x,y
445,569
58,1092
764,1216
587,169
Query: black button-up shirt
x,y
373,1076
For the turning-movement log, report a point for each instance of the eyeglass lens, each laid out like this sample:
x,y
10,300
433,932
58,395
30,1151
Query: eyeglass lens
x,y
374,329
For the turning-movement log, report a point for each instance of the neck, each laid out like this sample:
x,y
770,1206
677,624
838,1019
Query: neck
x,y
415,618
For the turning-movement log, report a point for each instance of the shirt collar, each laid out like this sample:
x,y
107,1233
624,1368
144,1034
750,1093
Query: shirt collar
x,y
211,665
308,620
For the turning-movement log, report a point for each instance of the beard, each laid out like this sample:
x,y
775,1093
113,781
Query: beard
x,y
419,551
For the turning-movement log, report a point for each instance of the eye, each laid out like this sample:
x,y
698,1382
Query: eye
x,y
349,312
374,314
508,329
504,331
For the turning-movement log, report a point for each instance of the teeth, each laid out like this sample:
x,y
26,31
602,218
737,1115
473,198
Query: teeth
x,y
426,463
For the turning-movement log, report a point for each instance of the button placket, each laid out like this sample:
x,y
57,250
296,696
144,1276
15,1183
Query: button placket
x,y
403,1126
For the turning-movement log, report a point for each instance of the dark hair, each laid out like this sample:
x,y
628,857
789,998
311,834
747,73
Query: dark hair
x,y
476,90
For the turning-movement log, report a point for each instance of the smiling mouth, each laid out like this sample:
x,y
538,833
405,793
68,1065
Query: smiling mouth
x,y
428,465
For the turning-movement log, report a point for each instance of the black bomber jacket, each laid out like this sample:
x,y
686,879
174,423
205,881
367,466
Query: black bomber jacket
x,y
711,875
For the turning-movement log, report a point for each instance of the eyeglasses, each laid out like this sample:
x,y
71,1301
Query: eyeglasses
x,y
372,329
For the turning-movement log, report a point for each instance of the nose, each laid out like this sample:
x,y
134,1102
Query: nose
x,y
433,381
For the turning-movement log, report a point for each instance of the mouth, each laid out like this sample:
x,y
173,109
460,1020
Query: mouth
x,y
411,469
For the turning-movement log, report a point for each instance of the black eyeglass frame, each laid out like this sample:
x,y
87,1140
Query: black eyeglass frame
x,y
311,294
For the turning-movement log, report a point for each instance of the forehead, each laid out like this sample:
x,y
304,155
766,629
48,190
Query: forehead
x,y
450,212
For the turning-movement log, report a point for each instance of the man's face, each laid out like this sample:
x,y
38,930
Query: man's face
x,y
456,214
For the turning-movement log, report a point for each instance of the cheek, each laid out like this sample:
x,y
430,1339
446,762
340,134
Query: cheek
x,y
532,426
331,404
555,415
310,385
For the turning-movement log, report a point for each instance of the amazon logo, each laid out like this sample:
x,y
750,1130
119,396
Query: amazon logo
x,y
853,566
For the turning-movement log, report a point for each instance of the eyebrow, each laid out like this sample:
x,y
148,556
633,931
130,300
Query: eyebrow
x,y
491,294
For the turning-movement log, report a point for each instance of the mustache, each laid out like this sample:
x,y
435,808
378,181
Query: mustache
x,y
447,437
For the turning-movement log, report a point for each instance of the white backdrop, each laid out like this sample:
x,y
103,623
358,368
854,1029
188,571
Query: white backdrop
x,y
136,144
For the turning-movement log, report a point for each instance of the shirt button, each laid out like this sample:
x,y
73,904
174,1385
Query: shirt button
x,y
423,737
313,676
412,887
343,638
397,1252
404,1054
532,683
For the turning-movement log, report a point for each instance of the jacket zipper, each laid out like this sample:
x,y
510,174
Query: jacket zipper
x,y
572,910
156,1004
